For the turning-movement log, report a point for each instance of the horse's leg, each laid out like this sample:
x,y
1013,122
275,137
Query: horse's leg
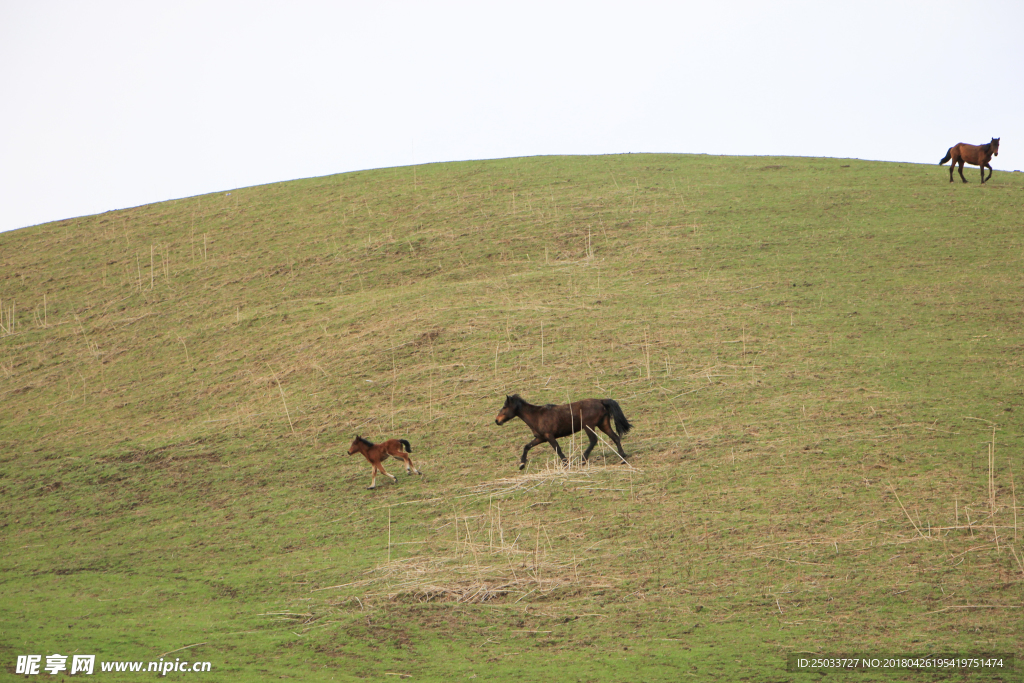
x,y
373,480
960,170
593,442
558,449
526,449
983,178
607,429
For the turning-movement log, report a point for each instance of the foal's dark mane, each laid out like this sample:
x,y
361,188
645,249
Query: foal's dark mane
x,y
364,441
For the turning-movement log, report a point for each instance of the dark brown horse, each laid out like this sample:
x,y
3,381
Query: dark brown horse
x,y
552,422
377,453
979,155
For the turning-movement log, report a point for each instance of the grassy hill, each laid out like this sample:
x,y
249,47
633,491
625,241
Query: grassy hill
x,y
821,358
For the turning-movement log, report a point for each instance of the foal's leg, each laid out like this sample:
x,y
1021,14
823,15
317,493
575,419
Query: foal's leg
x,y
408,462
377,467
960,170
526,449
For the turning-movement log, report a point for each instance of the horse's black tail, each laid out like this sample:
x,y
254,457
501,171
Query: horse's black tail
x,y
949,155
408,448
622,425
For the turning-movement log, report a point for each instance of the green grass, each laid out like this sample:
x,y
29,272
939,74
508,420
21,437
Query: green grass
x,y
819,357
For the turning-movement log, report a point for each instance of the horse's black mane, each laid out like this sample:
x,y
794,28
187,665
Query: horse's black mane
x,y
519,401
365,441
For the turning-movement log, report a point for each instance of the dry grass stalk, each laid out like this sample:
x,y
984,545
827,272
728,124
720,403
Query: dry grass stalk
x,y
647,352
1013,492
88,343
1020,562
188,360
992,484
891,488
283,401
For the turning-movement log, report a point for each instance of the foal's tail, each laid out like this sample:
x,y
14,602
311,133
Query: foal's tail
x,y
408,448
949,155
622,425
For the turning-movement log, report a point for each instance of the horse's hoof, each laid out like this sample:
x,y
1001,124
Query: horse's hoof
x,y
522,467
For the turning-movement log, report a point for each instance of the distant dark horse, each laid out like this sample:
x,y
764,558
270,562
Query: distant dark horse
x,y
376,453
552,422
979,155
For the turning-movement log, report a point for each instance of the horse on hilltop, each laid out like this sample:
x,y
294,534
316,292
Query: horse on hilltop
x,y
978,155
551,422
376,453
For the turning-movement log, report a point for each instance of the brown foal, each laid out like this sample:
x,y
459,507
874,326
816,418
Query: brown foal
x,y
377,453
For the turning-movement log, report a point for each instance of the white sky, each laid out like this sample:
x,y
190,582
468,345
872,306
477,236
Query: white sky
x,y
106,105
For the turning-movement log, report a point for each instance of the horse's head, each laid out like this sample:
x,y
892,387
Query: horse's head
x,y
509,410
995,147
358,445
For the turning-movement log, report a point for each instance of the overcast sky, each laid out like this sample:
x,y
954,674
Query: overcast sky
x,y
106,105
